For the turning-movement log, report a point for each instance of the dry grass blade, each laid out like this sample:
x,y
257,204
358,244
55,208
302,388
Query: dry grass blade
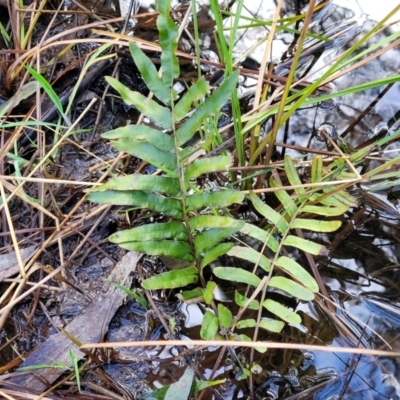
x,y
296,57
228,343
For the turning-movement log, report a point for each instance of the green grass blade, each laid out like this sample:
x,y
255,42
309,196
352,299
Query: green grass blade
x,y
47,88
95,57
5,35
74,361
143,302
201,385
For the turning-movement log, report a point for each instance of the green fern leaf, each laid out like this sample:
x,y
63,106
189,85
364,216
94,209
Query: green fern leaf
x,y
159,114
171,230
345,198
181,389
197,91
252,256
208,293
287,202
316,169
210,238
246,323
209,326
293,177
241,301
147,183
282,312
296,271
143,133
172,279
271,325
225,316
269,213
223,198
167,248
315,225
325,211
306,245
168,40
336,198
261,235
140,199
293,288
195,294
204,165
202,222
237,275
210,107
150,75
149,153
213,253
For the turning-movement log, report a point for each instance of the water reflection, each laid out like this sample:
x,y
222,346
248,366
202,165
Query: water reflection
x,y
363,377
